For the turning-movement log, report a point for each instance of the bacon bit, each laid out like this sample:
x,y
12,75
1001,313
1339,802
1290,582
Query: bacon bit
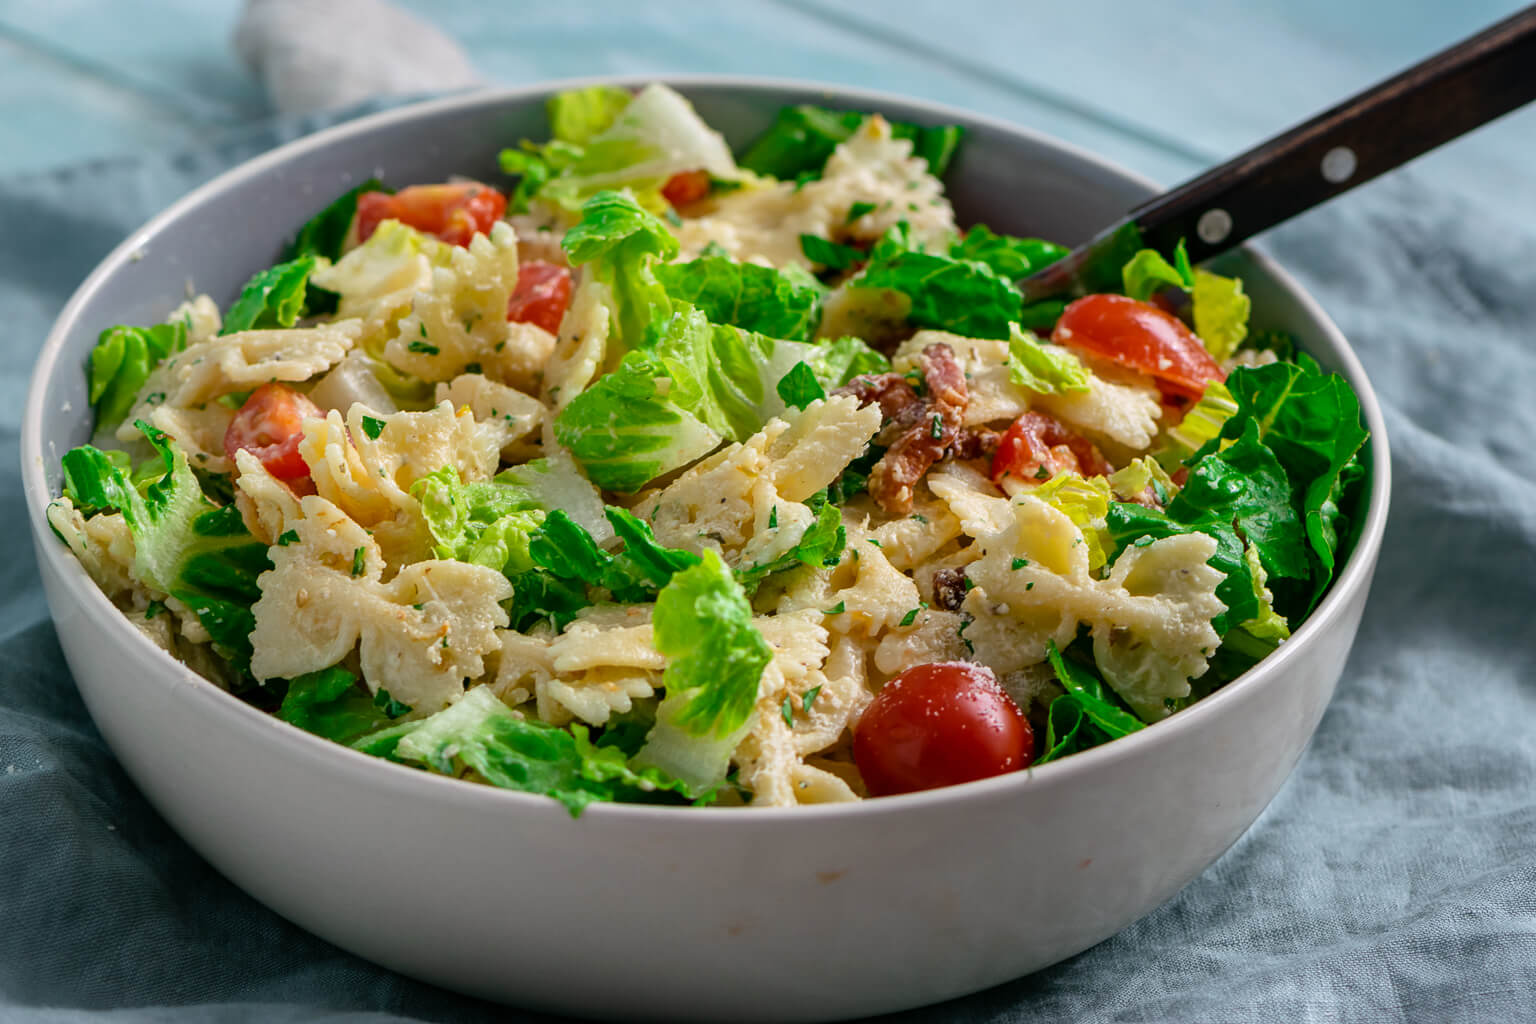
x,y
1038,447
976,443
919,431
949,589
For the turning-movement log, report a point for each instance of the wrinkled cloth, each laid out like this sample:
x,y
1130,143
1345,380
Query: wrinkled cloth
x,y
1392,879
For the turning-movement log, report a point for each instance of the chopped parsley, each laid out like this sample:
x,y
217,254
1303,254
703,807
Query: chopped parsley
x,y
911,616
373,427
858,210
392,708
787,709
287,537
357,562
773,518
423,347
1019,563
872,540
1042,473
809,698
837,609
473,368
920,518
936,431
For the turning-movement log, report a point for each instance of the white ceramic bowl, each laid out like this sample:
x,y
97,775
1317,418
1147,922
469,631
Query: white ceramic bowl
x,y
666,913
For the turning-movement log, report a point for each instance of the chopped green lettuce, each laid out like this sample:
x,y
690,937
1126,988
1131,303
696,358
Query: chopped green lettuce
x,y
183,544
778,303
484,522
803,137
1148,271
1012,258
838,361
964,297
122,361
671,402
1243,483
1086,715
1042,367
330,703
272,298
481,734
820,546
655,135
576,115
1085,501
715,660
1311,421
1221,313
624,242
387,263
1204,420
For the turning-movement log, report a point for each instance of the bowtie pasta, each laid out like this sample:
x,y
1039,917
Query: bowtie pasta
x,y
672,475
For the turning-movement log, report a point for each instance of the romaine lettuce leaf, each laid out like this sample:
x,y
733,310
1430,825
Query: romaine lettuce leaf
x,y
576,115
778,303
330,703
820,546
1041,367
1311,421
1221,313
624,244
482,734
837,362
484,522
1204,421
715,660
1085,501
272,298
122,361
1092,698
184,545
803,137
1148,271
1012,258
964,297
657,134
1243,483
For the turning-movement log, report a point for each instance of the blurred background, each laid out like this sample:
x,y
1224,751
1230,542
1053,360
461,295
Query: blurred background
x,y
1164,89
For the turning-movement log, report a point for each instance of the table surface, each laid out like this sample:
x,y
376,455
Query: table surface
x,y
1164,89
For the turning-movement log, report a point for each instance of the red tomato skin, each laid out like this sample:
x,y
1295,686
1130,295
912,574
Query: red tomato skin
x,y
940,725
541,295
454,213
686,187
1037,441
270,426
1140,336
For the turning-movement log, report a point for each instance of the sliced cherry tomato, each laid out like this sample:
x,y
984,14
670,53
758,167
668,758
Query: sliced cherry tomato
x,y
1037,447
939,725
542,293
454,213
270,426
1141,336
686,187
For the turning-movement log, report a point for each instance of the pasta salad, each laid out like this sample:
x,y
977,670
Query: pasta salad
x,y
659,473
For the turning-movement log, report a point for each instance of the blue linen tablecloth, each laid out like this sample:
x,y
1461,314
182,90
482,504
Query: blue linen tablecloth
x,y
1392,879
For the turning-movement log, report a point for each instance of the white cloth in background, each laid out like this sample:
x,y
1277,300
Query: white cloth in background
x,y
313,55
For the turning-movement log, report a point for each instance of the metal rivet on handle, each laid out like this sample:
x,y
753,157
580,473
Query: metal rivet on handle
x,y
1338,164
1213,226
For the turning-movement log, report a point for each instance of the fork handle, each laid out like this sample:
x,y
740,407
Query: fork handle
x,y
1432,102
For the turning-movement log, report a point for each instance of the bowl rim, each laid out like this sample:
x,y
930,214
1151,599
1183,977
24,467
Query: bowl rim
x,y
232,712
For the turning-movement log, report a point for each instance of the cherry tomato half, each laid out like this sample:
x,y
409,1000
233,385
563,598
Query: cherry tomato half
x,y
686,187
542,293
1037,447
454,213
939,725
1141,336
270,426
